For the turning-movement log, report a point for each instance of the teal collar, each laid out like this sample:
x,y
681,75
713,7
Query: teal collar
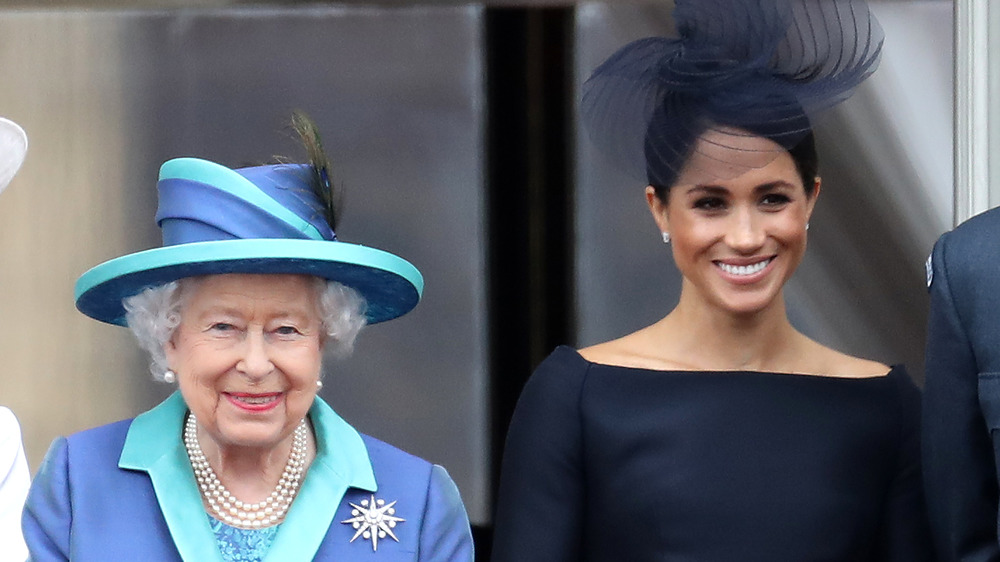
x,y
153,445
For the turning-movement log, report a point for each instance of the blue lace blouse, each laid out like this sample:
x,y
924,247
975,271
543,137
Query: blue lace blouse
x,y
242,545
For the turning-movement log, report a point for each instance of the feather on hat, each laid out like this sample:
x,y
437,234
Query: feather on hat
x,y
262,219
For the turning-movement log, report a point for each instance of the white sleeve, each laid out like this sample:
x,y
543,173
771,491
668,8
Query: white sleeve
x,y
14,482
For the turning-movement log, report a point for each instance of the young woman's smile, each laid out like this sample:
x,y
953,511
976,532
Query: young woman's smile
x,y
745,271
738,239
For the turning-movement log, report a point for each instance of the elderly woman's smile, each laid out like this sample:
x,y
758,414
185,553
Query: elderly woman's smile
x,y
254,402
247,354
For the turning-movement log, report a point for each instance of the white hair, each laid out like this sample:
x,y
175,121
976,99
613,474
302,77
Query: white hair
x,y
155,313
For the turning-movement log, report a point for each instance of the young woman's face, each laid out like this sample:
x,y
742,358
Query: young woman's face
x,y
737,223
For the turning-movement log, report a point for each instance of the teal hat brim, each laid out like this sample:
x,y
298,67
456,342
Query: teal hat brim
x,y
391,285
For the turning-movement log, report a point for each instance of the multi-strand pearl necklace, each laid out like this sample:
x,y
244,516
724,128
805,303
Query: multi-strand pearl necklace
x,y
225,505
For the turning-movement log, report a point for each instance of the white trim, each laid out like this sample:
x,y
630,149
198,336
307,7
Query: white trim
x,y
972,112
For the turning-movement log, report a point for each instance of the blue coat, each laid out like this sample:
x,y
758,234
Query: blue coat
x,y
961,435
125,491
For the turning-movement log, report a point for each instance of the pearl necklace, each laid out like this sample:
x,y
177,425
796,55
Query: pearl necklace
x,y
224,504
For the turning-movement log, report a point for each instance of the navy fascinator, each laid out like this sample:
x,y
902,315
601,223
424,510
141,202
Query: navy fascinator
x,y
737,67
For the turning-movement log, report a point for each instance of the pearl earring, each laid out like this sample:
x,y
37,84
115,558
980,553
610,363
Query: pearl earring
x,y
807,226
666,237
169,377
319,385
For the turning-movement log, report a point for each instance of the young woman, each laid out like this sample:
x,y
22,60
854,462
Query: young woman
x,y
720,433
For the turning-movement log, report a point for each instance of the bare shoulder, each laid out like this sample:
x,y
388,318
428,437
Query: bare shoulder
x,y
637,350
610,352
836,363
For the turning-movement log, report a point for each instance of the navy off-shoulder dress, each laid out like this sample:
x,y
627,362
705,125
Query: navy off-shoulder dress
x,y
621,464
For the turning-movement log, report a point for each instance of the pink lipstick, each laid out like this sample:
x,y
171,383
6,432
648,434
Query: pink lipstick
x,y
254,402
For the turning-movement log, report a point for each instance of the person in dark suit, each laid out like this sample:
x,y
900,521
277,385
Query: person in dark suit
x,y
961,410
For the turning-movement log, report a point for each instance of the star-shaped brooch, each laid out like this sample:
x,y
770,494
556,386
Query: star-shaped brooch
x,y
373,519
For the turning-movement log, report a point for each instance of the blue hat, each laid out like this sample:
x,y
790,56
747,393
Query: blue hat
x,y
263,219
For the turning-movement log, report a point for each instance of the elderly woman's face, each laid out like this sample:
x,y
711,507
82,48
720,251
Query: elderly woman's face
x,y
247,354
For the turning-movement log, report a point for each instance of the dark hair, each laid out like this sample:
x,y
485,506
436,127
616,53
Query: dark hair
x,y
663,176
806,161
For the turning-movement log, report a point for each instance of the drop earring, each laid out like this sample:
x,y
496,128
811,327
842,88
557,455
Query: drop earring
x,y
807,226
169,377
666,237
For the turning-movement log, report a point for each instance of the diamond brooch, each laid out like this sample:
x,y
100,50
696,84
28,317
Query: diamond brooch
x,y
373,519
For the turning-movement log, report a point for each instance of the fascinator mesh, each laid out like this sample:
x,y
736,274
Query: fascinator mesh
x,y
741,68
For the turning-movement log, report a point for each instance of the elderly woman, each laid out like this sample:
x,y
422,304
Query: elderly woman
x,y
244,462
14,479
